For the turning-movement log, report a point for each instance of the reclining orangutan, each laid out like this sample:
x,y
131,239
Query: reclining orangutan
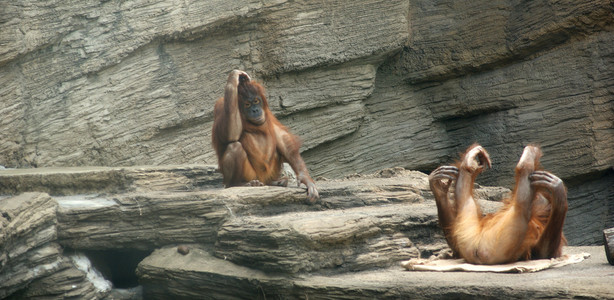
x,y
528,226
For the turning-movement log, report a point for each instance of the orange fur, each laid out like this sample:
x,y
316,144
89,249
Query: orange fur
x,y
525,227
248,150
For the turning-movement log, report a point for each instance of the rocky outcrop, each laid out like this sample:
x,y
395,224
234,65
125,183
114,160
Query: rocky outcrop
x,y
175,234
28,240
168,272
32,263
365,84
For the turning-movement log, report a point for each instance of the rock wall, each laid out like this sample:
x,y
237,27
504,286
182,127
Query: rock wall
x,y
365,84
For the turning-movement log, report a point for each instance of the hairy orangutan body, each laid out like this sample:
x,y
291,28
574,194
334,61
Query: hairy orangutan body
x,y
250,143
529,226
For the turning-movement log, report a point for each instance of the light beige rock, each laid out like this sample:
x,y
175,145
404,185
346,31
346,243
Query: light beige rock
x,y
28,248
167,273
365,84
243,242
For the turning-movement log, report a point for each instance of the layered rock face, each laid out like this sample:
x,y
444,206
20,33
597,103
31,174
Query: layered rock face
x,y
365,84
173,233
364,223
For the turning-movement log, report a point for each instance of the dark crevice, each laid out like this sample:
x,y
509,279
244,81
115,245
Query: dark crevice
x,y
117,266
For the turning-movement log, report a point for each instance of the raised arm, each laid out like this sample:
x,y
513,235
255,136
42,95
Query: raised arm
x,y
228,127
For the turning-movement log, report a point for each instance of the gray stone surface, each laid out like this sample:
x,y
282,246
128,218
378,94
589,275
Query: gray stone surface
x,y
32,264
185,237
139,221
349,239
47,242
101,180
27,241
365,84
167,272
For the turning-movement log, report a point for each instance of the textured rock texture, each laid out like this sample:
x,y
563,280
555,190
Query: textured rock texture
x,y
32,264
28,233
175,234
167,273
365,84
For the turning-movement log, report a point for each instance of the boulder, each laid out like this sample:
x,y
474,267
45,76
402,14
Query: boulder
x,y
32,263
350,239
139,221
206,276
69,281
28,247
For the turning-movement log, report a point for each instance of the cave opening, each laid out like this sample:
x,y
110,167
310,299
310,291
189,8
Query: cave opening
x,y
118,266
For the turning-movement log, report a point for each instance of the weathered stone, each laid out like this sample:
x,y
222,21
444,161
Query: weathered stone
x,y
587,279
590,210
167,273
452,39
321,87
28,250
608,243
69,282
141,107
243,242
366,84
135,293
145,220
96,180
139,221
32,262
350,239
306,34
